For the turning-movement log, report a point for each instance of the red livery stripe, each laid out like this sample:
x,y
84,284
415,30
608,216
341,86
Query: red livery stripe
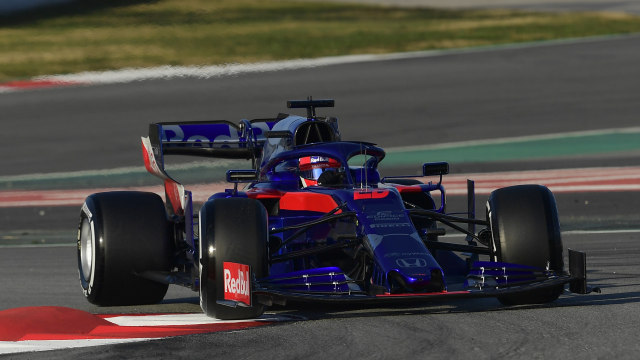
x,y
307,201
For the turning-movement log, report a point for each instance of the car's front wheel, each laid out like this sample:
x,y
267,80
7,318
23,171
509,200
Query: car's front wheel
x,y
233,252
525,230
121,236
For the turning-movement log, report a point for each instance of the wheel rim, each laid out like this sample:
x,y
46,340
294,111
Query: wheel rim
x,y
86,249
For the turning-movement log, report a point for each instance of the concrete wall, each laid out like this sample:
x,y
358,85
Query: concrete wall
x,y
8,7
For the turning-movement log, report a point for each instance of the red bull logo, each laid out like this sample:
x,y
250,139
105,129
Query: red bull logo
x,y
237,283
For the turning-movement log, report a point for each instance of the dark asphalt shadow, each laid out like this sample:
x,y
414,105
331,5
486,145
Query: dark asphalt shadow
x,y
347,311
190,300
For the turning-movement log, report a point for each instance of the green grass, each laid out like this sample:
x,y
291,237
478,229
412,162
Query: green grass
x,y
110,34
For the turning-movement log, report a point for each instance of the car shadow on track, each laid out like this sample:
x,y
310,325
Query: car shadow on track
x,y
324,311
616,289
312,311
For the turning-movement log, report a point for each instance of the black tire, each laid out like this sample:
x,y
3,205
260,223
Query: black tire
x,y
525,230
231,230
122,234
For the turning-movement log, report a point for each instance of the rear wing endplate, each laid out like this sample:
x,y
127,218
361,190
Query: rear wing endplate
x,y
217,139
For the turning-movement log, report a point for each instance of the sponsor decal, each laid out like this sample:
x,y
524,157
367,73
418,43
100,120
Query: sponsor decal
x,y
378,226
404,254
377,194
411,262
237,282
211,135
386,215
389,219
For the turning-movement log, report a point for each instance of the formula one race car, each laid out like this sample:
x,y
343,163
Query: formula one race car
x,y
315,222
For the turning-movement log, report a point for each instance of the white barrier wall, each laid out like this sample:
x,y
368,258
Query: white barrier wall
x,y
12,6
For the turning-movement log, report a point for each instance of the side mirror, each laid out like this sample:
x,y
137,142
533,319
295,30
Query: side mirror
x,y
435,168
241,176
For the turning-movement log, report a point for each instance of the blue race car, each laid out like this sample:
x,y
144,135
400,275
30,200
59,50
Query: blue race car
x,y
314,222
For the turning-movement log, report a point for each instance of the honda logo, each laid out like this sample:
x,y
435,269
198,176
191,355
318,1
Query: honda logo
x,y
411,262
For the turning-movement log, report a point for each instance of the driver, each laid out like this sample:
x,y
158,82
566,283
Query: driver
x,y
312,167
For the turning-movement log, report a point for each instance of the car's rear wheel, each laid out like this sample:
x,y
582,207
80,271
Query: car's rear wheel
x,y
525,230
232,230
122,236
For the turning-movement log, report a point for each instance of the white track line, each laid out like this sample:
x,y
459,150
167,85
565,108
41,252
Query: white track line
x,y
176,320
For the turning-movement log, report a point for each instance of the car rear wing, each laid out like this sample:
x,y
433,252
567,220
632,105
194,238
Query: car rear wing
x,y
217,139
221,138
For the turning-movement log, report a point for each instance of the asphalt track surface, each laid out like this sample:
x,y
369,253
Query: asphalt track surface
x,y
460,96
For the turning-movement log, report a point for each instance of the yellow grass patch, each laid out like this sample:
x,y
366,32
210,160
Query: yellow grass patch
x,y
201,32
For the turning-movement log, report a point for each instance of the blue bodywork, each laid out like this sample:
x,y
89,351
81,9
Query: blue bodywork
x,y
352,236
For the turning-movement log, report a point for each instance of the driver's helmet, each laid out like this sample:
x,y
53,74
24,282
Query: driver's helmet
x,y
311,167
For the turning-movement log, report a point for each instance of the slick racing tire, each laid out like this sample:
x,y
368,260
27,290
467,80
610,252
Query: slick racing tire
x,y
232,230
121,236
525,230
